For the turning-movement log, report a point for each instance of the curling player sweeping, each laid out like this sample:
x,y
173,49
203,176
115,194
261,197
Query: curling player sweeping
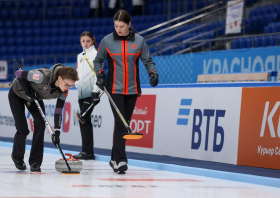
x,y
30,88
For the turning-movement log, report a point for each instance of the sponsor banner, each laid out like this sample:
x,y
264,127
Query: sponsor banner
x,y
194,123
143,121
198,123
70,125
234,17
3,70
259,132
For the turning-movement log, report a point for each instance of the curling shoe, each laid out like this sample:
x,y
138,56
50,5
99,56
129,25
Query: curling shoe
x,y
35,168
122,167
19,165
113,164
84,156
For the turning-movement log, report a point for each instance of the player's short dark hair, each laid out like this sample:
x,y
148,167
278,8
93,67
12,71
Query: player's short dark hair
x,y
68,72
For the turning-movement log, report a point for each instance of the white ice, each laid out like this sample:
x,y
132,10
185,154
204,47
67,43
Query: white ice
x,y
97,180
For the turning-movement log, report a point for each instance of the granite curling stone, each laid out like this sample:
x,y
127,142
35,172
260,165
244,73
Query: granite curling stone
x,y
74,164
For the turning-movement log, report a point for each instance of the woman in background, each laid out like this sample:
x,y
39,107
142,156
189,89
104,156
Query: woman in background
x,y
88,93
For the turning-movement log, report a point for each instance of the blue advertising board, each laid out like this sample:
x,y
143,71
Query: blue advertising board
x,y
184,68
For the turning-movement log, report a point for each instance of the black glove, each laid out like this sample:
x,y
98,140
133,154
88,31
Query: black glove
x,y
30,95
55,137
101,80
95,98
153,79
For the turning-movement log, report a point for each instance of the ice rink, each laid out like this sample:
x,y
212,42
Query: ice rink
x,y
97,180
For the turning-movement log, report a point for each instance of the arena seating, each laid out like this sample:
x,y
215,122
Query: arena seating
x,y
262,16
30,36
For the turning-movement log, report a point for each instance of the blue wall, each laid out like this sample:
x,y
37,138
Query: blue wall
x,y
185,68
176,69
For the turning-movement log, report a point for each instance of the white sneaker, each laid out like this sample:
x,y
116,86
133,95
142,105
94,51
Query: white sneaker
x,y
122,166
113,164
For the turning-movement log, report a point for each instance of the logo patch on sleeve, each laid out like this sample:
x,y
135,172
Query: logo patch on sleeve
x,y
36,76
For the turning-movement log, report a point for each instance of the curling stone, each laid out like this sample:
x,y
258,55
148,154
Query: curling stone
x,y
74,164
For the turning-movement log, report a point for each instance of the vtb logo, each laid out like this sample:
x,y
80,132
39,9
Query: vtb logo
x,y
185,103
133,46
269,120
200,116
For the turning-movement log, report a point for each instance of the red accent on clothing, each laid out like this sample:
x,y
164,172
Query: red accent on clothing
x,y
77,65
114,78
101,71
123,53
126,65
151,72
135,69
66,93
98,46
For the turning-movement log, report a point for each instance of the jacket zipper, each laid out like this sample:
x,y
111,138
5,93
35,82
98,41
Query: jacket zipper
x,y
82,73
124,68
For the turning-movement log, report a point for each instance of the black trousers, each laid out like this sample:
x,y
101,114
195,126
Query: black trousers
x,y
125,104
17,106
86,128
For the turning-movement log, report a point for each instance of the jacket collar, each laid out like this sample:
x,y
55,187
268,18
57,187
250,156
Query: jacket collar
x,y
131,35
89,49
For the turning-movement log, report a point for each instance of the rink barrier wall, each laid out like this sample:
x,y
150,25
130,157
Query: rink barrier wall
x,y
266,181
209,121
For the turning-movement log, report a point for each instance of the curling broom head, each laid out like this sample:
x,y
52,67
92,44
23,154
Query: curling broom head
x,y
70,172
132,136
80,118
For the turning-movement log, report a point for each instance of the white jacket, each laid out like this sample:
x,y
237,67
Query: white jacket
x,y
87,79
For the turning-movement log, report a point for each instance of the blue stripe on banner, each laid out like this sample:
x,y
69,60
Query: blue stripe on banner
x,y
182,121
186,102
184,112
